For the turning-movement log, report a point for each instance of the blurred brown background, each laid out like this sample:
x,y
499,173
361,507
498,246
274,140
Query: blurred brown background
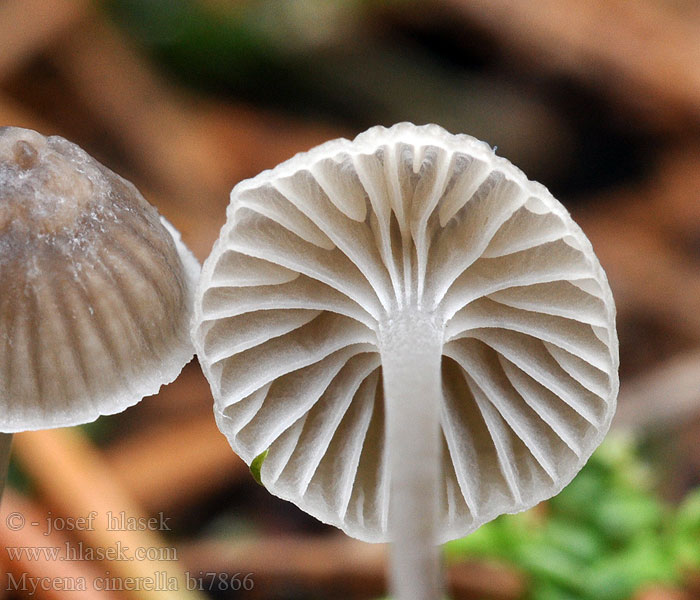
x,y
597,99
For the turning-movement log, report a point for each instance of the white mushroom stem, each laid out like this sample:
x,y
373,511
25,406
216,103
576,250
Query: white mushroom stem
x,y
5,447
411,349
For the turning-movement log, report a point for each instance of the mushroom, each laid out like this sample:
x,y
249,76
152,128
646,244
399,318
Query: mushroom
x,y
95,288
417,336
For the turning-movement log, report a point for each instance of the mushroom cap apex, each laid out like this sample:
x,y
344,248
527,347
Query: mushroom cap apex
x,y
96,288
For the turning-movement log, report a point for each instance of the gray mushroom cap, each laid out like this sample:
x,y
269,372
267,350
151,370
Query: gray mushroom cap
x,y
95,288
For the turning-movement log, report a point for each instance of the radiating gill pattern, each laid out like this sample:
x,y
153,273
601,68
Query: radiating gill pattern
x,y
318,253
96,290
91,331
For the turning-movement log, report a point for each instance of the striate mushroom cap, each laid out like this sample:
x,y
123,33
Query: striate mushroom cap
x,y
95,288
323,260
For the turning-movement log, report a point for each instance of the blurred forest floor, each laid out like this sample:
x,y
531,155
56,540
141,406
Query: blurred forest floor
x,y
597,99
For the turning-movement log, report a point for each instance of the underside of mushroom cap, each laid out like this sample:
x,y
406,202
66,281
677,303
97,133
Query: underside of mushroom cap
x,y
96,288
323,257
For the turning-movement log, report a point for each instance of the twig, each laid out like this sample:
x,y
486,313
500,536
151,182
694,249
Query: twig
x,y
647,237
647,274
72,477
29,26
11,113
663,398
23,526
163,136
170,466
190,151
637,51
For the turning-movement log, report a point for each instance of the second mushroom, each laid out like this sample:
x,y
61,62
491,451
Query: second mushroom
x,y
417,336
95,289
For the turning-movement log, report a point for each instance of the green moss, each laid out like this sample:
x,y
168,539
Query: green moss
x,y
603,537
